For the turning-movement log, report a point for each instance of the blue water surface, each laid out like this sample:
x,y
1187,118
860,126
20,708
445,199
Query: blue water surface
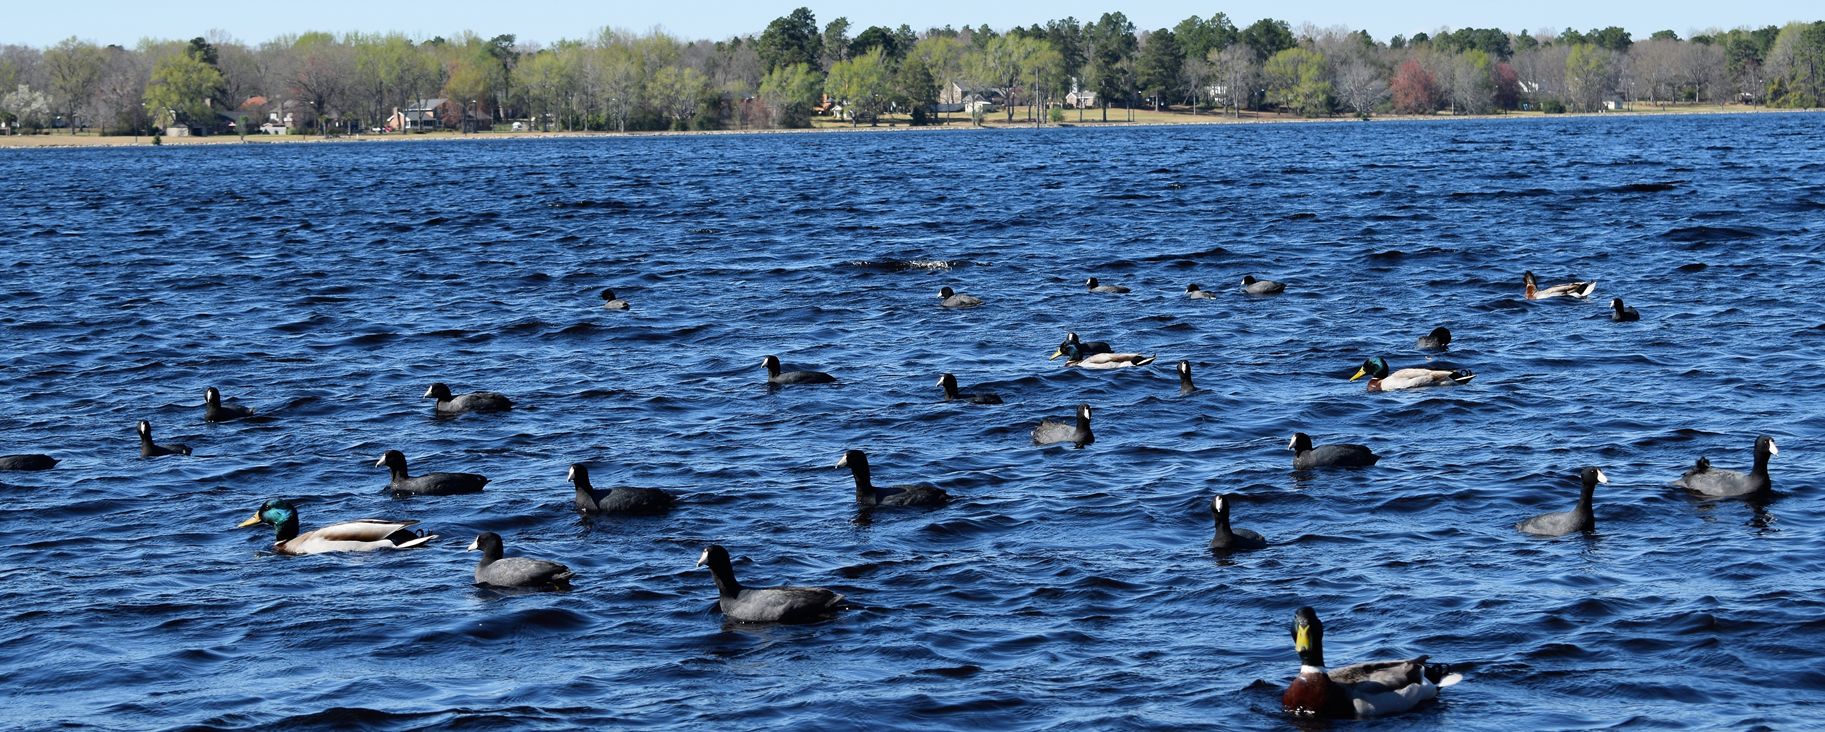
x,y
327,285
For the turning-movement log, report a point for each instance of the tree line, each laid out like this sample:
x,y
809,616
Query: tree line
x,y
795,69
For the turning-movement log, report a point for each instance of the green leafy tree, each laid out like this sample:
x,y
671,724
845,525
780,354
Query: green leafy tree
x,y
789,92
1197,37
789,41
1268,37
1295,78
1160,67
75,69
862,85
1664,35
1112,44
1588,73
679,91
878,37
180,90
915,88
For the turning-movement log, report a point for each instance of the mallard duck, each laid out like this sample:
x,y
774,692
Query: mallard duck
x,y
1110,361
1579,518
766,605
1567,289
1373,689
1081,348
213,411
613,303
1185,386
1438,339
1710,481
1253,286
365,535
1380,380
1197,294
27,462
897,495
475,401
429,484
1623,313
1052,430
949,384
1340,455
520,572
1231,539
950,299
775,376
1099,287
147,449
615,500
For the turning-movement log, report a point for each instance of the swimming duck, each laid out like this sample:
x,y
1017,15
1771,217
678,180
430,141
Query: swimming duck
x,y
1373,689
1185,386
365,535
1197,294
613,303
615,500
498,571
475,401
1710,481
1579,518
1568,289
1099,287
949,383
793,377
1082,348
1231,539
1622,313
766,605
213,411
27,462
1438,339
1253,286
950,299
1306,457
1109,360
1414,378
147,449
897,495
429,484
1058,430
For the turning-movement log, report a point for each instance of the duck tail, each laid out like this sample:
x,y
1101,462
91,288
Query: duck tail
x,y
1449,680
1586,290
414,542
1462,376
1439,673
1146,360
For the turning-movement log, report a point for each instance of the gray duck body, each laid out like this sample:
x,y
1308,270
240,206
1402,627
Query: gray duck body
x,y
429,484
950,299
521,572
1052,430
1095,286
766,605
776,376
475,401
1579,519
1706,480
1253,286
591,501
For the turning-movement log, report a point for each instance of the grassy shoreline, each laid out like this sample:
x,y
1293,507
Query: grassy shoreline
x,y
1142,118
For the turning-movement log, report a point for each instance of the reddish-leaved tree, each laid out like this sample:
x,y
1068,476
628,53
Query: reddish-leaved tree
x,y
1415,89
1507,85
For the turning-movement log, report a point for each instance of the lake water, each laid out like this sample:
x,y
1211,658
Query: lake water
x,y
328,285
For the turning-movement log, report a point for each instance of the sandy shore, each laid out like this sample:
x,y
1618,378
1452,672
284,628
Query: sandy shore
x,y
1144,118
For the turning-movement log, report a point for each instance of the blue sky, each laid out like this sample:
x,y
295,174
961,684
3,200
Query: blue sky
x,y
123,22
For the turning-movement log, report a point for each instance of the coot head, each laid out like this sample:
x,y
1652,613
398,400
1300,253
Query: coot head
x,y
1191,288
1248,280
438,391
213,398
946,292
392,459
608,295
1443,334
488,543
1300,442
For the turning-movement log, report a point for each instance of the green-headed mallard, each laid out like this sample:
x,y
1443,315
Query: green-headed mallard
x,y
365,535
1380,380
1566,289
1373,689
1081,348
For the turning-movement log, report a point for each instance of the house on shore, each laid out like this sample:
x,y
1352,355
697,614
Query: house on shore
x,y
426,115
